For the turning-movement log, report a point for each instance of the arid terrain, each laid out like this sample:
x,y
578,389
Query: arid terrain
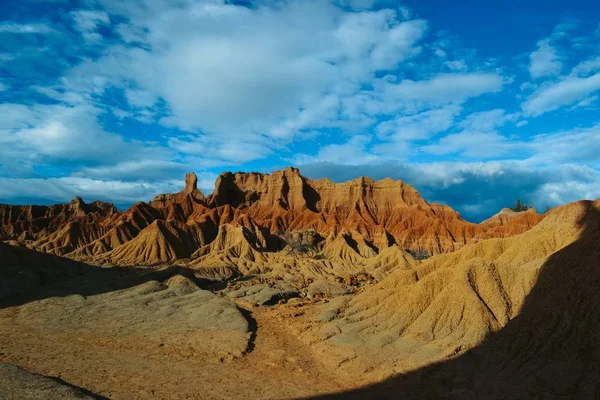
x,y
279,286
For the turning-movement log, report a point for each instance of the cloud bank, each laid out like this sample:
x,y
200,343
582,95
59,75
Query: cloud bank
x,y
117,100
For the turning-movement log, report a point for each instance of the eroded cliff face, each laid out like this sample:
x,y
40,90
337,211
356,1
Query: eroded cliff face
x,y
286,201
31,222
524,304
509,223
251,217
368,275
190,191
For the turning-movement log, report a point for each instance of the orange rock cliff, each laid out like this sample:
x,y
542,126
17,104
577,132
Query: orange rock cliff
x,y
266,207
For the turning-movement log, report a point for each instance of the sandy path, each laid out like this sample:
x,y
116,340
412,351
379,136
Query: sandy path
x,y
279,366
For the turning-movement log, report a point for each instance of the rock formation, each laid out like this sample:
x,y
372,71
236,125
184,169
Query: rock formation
x,y
32,222
509,223
507,318
450,303
503,309
252,217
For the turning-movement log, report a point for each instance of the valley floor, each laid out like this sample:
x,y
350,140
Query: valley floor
x,y
277,364
509,318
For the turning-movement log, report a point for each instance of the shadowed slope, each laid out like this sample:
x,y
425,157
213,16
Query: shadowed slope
x,y
548,350
140,333
29,275
145,310
18,384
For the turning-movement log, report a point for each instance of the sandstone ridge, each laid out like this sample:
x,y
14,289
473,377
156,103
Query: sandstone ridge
x,y
351,222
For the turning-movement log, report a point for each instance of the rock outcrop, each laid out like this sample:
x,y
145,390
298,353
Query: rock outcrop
x,y
191,190
512,318
509,223
251,218
450,303
32,222
502,309
287,201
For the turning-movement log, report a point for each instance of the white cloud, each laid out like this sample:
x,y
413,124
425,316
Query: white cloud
x,y
486,120
478,137
396,149
419,126
150,170
42,135
140,98
443,88
88,21
580,145
16,28
244,83
55,190
572,146
239,82
565,92
254,79
556,193
216,152
326,110
456,65
131,34
588,102
155,172
522,123
544,60
59,131
587,67
352,152
472,144
377,40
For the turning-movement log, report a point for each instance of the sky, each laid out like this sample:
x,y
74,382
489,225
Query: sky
x,y
474,103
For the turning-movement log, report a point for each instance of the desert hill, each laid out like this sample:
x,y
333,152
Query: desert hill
x,y
508,223
451,303
74,330
185,297
31,222
354,220
298,237
507,318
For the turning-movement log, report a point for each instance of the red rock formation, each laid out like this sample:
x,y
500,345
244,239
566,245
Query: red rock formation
x,y
287,201
190,192
360,218
509,223
30,222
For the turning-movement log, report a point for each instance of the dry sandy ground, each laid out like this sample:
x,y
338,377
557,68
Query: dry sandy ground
x,y
278,365
16,383
528,305
144,333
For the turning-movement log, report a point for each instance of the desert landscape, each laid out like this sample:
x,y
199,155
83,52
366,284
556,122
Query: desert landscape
x,y
278,286
299,199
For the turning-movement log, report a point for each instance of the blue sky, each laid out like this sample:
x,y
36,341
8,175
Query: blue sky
x,y
474,104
